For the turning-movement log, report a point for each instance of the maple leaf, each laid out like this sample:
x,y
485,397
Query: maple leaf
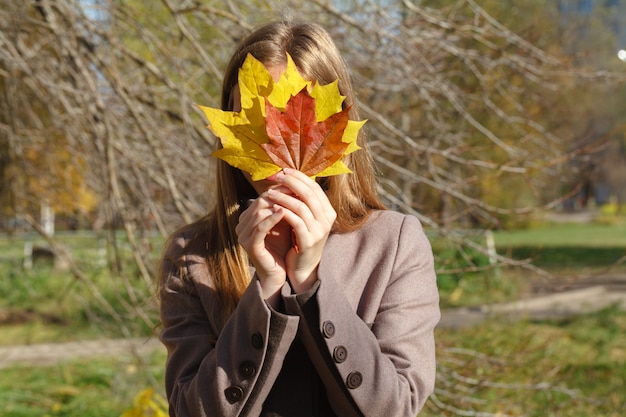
x,y
297,140
289,123
241,142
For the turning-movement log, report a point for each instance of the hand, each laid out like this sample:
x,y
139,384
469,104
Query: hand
x,y
311,216
266,237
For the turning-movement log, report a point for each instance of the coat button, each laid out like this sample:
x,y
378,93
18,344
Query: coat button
x,y
247,369
233,394
328,329
257,341
354,380
340,354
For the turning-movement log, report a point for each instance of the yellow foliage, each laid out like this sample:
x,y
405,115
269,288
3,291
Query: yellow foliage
x,y
242,133
57,178
147,404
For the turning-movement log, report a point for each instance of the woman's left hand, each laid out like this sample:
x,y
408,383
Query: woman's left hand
x,y
311,216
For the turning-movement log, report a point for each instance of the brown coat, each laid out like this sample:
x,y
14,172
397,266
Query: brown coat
x,y
360,342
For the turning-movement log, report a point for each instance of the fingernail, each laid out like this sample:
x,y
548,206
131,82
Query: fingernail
x,y
287,170
275,177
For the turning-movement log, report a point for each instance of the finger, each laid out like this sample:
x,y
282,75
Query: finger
x,y
306,190
267,224
255,224
290,202
306,233
300,183
301,231
302,218
254,214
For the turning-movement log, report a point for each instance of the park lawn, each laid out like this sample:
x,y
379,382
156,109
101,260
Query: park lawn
x,y
566,247
565,234
572,368
568,368
94,387
557,251
48,303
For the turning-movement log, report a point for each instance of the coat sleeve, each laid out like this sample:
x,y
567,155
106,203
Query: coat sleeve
x,y
212,373
388,369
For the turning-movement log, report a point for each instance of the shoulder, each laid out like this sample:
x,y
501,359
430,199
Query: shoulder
x,y
381,236
187,239
391,223
185,249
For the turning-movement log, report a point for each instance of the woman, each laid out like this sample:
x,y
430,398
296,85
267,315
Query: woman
x,y
294,297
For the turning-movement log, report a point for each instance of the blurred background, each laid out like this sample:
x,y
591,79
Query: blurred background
x,y
501,124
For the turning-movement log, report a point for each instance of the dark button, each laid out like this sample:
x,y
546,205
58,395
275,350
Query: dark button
x,y
340,354
247,369
354,380
257,341
328,329
233,394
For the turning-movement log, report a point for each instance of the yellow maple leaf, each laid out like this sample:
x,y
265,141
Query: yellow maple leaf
x,y
289,84
243,134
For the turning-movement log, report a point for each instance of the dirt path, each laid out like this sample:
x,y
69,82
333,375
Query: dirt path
x,y
552,301
549,302
45,354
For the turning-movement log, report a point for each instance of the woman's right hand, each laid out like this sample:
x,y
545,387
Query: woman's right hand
x,y
266,237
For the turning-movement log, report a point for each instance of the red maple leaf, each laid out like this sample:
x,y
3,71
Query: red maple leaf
x,y
297,140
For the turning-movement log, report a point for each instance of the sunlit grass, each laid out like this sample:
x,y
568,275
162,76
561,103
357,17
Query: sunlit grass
x,y
48,303
569,368
565,235
565,368
95,387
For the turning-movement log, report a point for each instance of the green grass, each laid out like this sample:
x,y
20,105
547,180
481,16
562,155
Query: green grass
x,y
96,387
47,303
564,368
566,246
466,278
569,368
565,235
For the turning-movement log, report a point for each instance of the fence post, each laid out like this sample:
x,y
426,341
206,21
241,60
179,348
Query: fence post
x,y
28,254
491,247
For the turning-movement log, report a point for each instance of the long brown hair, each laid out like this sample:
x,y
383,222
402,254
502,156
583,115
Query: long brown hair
x,y
353,196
